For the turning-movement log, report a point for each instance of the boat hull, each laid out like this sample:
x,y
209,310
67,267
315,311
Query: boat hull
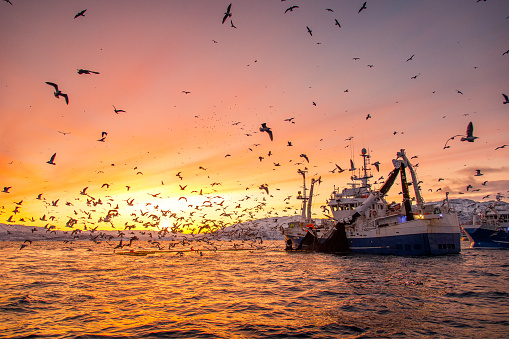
x,y
409,244
487,238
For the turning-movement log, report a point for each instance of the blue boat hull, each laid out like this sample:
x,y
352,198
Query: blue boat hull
x,y
411,244
485,238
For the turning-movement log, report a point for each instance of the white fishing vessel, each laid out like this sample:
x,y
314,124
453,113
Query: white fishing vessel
x,y
362,221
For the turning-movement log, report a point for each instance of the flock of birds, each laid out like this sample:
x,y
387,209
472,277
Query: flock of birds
x,y
94,211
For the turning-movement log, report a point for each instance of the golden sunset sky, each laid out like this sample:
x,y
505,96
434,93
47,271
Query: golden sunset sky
x,y
266,69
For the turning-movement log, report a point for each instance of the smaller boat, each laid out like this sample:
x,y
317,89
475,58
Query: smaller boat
x,y
490,228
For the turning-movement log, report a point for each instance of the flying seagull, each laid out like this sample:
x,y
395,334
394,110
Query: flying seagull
x,y
52,159
506,98
363,7
337,23
410,58
86,71
264,128
117,110
227,14
58,93
290,9
470,130
82,13
478,173
309,31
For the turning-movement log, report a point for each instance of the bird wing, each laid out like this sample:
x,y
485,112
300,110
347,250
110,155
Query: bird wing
x,y
505,97
470,129
66,98
53,84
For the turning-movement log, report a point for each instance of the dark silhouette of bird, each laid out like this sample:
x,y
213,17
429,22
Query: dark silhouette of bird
x,y
117,110
459,92
484,183
377,165
264,187
415,76
52,159
339,168
506,52
329,9
356,58
305,157
227,14
478,173
336,22
289,143
103,136
6,189
410,58
363,7
470,130
58,93
309,31
186,92
264,128
9,2
314,103
232,25
86,71
290,9
368,116
290,120
503,146
506,99
82,13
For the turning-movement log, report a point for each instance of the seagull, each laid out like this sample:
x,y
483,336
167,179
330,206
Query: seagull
x,y
309,31
6,189
506,52
410,58
290,9
117,110
377,165
231,23
58,93
339,169
227,14
503,146
264,128
484,183
289,143
328,9
459,92
470,131
8,1
305,157
186,92
478,173
469,187
363,7
86,71
103,136
82,13
506,98
337,23
368,116
290,120
52,159
264,187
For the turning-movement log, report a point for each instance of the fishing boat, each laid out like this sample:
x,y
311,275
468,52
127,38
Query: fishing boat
x,y
489,228
363,221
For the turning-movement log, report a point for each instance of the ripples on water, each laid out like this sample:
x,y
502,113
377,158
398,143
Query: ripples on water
x,y
83,290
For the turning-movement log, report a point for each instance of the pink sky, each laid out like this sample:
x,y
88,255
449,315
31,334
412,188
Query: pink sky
x,y
266,70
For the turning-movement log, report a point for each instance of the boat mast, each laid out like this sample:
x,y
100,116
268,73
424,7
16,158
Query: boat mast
x,y
303,197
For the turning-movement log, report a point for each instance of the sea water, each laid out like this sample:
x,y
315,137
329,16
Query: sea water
x,y
84,290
